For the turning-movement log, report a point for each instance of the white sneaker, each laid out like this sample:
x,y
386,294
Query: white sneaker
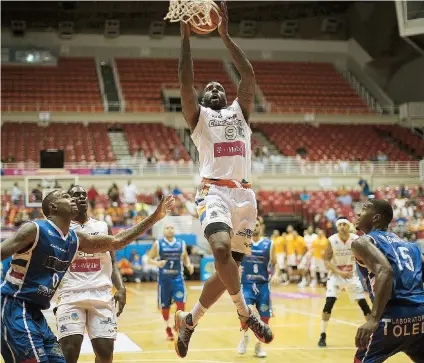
x,y
258,351
242,347
313,283
303,283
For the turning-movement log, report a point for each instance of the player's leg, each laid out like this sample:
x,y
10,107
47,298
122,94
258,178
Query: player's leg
x,y
281,260
250,297
102,330
103,348
179,295
263,304
165,300
70,322
303,269
330,299
356,289
314,272
22,333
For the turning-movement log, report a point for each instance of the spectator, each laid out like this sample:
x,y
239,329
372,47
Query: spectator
x,y
365,188
275,235
113,195
21,217
150,271
16,194
301,151
126,269
130,193
420,192
403,192
304,196
133,254
37,194
381,156
177,191
330,214
92,195
137,267
158,195
344,197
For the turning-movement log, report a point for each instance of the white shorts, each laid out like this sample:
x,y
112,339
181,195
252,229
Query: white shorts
x,y
291,260
318,265
236,207
305,262
352,286
281,260
94,310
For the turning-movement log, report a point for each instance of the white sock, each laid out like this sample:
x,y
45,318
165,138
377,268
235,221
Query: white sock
x,y
324,326
240,303
303,279
197,312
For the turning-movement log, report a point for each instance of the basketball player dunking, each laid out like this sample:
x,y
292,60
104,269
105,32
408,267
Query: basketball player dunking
x,y
85,299
225,202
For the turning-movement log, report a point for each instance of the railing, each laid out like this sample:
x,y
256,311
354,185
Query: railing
x,y
129,107
286,167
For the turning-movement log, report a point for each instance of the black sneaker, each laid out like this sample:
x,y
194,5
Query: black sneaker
x,y
184,331
322,343
261,330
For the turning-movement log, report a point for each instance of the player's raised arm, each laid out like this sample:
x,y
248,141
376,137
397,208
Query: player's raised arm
x,y
22,240
246,88
377,263
328,255
103,243
189,97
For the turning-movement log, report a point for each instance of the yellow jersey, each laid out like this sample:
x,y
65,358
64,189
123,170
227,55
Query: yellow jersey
x,y
318,247
300,245
279,244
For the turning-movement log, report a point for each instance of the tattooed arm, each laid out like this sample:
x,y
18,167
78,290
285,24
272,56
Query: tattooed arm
x,y
246,88
102,243
20,241
189,98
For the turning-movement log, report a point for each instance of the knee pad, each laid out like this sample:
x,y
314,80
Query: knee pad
x,y
215,228
329,303
237,256
364,307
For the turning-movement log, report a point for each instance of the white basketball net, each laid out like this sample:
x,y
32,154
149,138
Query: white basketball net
x,y
197,11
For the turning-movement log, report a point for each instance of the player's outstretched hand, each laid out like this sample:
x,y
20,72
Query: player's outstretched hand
x,y
223,26
162,263
165,206
364,333
120,300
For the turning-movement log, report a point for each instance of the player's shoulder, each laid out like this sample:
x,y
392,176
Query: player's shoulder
x,y
333,237
353,236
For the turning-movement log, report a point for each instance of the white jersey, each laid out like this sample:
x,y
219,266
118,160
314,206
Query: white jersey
x,y
222,139
343,256
309,239
89,271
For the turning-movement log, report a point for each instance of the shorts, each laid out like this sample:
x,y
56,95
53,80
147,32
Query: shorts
x,y
353,287
236,207
305,262
318,265
400,330
291,260
25,334
281,260
171,290
259,296
91,310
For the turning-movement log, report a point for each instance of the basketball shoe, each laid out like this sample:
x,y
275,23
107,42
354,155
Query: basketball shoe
x,y
261,330
185,328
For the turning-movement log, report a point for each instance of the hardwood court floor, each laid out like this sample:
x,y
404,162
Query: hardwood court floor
x,y
296,325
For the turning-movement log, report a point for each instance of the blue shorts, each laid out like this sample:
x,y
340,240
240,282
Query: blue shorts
x,y
171,290
25,335
258,294
400,330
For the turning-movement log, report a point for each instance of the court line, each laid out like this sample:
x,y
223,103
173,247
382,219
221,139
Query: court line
x,y
319,317
215,329
164,360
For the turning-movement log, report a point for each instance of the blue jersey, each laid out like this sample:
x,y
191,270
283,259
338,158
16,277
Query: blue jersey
x,y
405,258
255,266
35,275
172,253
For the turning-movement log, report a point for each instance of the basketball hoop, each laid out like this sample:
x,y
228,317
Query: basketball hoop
x,y
197,11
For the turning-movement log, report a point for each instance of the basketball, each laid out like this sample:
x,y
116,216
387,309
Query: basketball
x,y
215,14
